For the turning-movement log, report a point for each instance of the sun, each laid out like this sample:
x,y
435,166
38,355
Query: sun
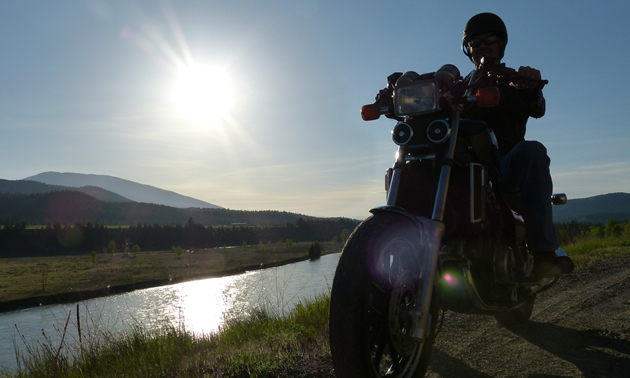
x,y
203,93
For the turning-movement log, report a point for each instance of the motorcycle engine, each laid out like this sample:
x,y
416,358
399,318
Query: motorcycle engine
x,y
504,265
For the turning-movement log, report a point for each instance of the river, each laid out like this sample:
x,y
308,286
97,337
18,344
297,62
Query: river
x,y
200,306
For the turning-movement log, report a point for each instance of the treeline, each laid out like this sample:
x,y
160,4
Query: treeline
x,y
569,233
71,207
17,240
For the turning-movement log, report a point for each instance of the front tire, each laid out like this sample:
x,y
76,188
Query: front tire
x,y
376,282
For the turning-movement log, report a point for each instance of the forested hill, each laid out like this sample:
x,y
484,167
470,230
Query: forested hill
x,y
75,224
34,187
70,207
596,209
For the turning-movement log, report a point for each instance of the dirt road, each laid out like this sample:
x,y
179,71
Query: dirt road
x,y
579,328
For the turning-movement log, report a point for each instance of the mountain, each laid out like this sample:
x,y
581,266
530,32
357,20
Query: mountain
x,y
70,207
128,189
597,209
34,187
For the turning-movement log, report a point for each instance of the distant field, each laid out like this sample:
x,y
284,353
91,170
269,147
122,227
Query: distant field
x,y
33,277
40,226
113,226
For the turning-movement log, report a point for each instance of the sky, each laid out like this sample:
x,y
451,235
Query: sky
x,y
88,86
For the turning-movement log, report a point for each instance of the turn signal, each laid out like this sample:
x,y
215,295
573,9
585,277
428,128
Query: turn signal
x,y
370,112
488,97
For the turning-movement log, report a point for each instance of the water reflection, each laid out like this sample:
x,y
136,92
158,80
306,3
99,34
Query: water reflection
x,y
200,306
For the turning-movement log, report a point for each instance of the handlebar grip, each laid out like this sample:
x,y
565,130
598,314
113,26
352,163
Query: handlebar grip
x,y
541,82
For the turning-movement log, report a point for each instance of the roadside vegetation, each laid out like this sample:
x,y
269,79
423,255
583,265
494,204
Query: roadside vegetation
x,y
293,344
589,243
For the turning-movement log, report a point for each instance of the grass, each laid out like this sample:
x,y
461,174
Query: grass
x,y
36,277
590,250
264,345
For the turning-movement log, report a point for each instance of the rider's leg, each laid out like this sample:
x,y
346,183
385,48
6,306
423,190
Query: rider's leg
x,y
526,167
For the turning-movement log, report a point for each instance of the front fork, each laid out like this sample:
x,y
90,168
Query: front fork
x,y
431,231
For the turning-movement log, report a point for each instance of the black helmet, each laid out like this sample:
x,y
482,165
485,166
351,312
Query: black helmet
x,y
484,23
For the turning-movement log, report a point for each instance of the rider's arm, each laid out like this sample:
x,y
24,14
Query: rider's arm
x,y
532,101
529,92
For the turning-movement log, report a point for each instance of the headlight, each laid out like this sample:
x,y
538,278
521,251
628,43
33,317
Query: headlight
x,y
419,97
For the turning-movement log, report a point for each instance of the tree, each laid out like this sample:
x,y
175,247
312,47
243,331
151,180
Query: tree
x,y
315,251
178,250
612,229
596,232
135,250
345,234
111,247
94,257
288,243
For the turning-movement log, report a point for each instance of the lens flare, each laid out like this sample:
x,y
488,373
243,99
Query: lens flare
x,y
451,280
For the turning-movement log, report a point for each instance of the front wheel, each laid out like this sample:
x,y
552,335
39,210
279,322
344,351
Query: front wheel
x,y
375,285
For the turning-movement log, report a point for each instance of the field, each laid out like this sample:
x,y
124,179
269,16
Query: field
x,y
27,281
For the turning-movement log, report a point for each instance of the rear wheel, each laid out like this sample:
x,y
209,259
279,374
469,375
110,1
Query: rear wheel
x,y
375,286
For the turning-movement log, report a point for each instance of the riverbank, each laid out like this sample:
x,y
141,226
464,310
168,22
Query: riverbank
x,y
263,345
28,282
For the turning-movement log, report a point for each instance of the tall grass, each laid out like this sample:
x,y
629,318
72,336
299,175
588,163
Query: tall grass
x,y
589,250
263,345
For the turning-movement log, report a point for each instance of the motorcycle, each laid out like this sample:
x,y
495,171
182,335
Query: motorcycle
x,y
448,238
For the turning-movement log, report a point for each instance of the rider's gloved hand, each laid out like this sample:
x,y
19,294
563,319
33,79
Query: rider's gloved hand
x,y
384,98
527,72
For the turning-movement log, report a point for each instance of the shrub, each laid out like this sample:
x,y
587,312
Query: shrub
x,y
178,250
315,251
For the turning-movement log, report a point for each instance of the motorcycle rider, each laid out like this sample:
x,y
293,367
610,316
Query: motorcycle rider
x,y
524,164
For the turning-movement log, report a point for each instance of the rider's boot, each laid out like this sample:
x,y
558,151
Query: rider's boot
x,y
550,264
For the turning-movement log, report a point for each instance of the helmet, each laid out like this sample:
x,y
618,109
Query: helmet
x,y
484,23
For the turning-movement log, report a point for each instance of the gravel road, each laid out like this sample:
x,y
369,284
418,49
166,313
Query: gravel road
x,y
579,328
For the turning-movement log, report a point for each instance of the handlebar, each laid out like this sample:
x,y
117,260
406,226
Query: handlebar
x,y
484,97
506,74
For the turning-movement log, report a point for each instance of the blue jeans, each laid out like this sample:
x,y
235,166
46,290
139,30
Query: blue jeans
x,y
525,169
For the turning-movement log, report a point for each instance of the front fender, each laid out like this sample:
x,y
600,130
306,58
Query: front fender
x,y
424,224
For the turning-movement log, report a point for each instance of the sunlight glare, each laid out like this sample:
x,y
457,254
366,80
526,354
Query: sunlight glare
x,y
203,93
